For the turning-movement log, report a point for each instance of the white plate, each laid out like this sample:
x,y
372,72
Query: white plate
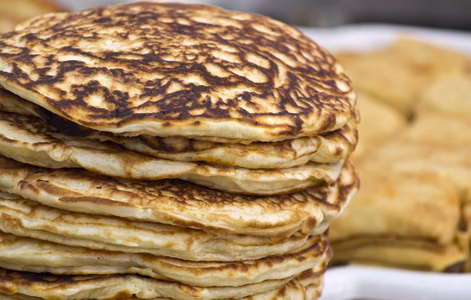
x,y
368,36
362,282
76,5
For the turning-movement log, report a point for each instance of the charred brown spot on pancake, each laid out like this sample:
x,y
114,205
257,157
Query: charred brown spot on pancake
x,y
63,125
350,183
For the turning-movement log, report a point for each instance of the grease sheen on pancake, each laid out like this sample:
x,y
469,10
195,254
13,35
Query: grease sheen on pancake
x,y
164,69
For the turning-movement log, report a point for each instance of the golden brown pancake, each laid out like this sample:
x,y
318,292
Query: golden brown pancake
x,y
48,286
402,204
386,77
379,124
10,102
31,219
397,252
181,203
307,286
404,216
32,255
433,60
412,210
447,95
436,143
166,69
326,148
31,140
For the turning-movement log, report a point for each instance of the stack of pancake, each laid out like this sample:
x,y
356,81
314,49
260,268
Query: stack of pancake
x,y
169,151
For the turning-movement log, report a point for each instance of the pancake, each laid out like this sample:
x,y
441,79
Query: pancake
x,y
327,148
16,284
409,253
165,69
444,132
31,140
400,204
393,219
434,60
386,77
48,286
180,203
26,254
10,102
435,143
380,123
296,289
392,222
30,219
312,281
447,95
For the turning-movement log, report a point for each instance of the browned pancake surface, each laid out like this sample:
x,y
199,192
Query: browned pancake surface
x,y
164,69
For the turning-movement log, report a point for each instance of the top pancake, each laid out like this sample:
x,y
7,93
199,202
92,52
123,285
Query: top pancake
x,y
168,69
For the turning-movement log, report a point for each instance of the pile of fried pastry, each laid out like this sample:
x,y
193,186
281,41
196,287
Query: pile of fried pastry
x,y
414,208
169,151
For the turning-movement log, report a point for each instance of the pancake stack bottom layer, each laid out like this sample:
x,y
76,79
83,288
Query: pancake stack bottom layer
x,y
169,151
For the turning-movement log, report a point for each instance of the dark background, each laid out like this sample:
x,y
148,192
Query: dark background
x,y
447,14
450,14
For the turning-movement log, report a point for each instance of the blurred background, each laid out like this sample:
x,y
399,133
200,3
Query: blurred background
x,y
449,14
